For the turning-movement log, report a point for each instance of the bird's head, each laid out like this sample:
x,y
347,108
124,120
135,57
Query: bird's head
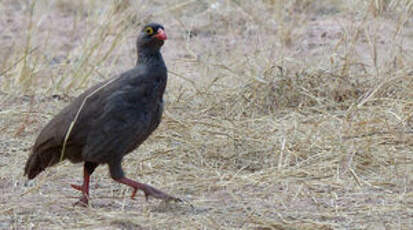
x,y
151,37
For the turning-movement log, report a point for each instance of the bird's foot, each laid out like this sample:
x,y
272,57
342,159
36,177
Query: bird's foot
x,y
147,190
153,192
82,202
78,187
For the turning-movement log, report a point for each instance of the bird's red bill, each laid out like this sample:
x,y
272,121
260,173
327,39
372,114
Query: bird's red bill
x,y
161,35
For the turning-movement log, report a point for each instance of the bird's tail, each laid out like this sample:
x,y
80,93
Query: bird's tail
x,y
39,161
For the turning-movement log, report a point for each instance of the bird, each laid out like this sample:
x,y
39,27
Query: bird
x,y
109,120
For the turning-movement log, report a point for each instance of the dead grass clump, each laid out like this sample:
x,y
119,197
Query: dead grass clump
x,y
276,91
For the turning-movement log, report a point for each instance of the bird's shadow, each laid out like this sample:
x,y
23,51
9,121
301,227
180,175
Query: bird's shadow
x,y
179,207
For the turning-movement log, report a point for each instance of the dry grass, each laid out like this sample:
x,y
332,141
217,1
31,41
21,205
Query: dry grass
x,y
280,114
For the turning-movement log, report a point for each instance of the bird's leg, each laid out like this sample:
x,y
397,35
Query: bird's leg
x,y
88,169
84,188
148,190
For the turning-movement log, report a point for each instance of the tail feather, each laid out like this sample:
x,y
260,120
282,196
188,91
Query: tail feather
x,y
39,161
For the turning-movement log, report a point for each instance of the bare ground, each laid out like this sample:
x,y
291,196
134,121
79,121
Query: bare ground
x,y
280,115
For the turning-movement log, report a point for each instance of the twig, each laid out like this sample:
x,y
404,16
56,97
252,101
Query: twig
x,y
18,61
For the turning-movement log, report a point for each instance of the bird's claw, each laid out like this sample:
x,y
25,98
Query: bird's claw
x,y
82,202
133,194
147,190
151,191
77,187
155,193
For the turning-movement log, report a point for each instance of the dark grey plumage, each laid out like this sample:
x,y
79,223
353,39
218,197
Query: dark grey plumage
x,y
114,121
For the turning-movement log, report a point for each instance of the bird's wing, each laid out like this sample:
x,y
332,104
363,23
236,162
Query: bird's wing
x,y
122,125
54,133
47,148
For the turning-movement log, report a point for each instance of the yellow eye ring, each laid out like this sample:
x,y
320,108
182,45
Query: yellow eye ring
x,y
149,30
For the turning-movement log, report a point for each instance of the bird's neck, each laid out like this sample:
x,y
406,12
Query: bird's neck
x,y
149,57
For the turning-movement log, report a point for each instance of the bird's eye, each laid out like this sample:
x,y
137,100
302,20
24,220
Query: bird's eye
x,y
149,30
